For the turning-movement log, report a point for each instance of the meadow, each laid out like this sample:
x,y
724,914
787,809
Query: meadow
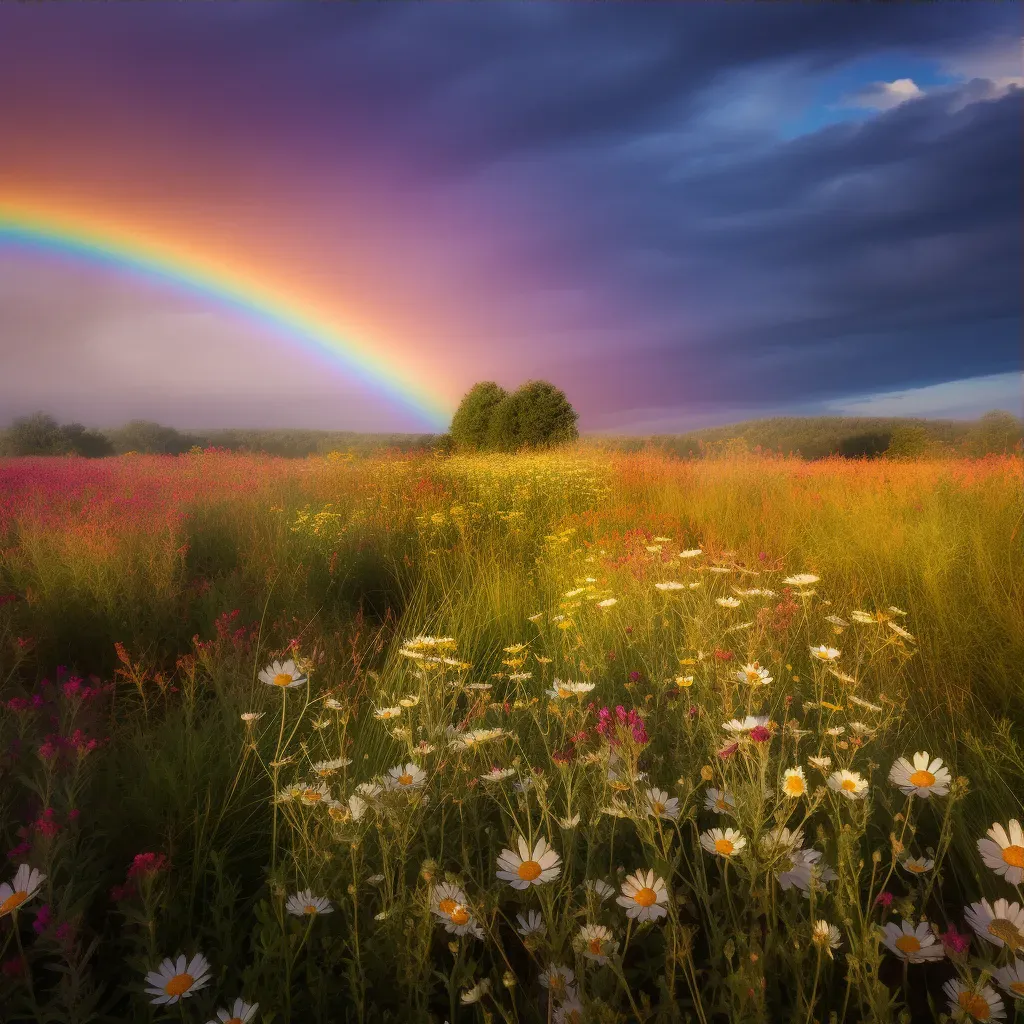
x,y
572,736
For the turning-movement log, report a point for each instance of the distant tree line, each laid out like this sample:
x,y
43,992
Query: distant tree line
x,y
538,415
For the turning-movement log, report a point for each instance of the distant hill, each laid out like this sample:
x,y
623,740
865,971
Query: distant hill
x,y
807,437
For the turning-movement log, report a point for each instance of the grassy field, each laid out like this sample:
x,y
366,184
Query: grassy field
x,y
577,736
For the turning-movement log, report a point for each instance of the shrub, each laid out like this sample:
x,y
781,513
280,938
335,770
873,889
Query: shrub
x,y
471,423
537,415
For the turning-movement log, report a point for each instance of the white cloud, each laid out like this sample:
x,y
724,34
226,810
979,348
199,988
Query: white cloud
x,y
884,95
955,399
1000,61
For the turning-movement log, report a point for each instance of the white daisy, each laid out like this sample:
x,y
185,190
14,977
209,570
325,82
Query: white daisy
x,y
476,993
721,801
528,867
177,979
794,782
797,869
825,653
569,822
325,769
742,725
241,1012
822,763
304,903
251,716
917,865
1011,979
386,714
568,1012
803,579
1003,851
607,602
826,936
406,777
900,631
978,1002
599,887
670,585
445,897
596,943
564,690
849,784
915,944
728,602
283,674
691,553
754,675
25,885
1001,923
558,979
724,843
923,778
530,924
497,774
644,896
661,805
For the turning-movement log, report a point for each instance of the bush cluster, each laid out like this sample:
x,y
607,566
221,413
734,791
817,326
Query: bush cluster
x,y
536,415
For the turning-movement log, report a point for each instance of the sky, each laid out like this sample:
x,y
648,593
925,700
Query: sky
x,y
681,214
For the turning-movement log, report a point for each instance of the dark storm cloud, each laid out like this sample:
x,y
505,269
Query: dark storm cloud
x,y
722,260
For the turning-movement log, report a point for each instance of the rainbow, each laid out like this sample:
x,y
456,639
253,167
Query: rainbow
x,y
213,281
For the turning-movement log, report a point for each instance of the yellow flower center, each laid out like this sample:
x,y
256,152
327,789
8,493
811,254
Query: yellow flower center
x,y
563,692
724,847
312,795
446,906
974,1004
721,805
1014,856
234,1020
283,679
658,807
794,785
848,785
594,945
915,869
459,915
179,984
13,901
923,779
1017,988
309,908
405,779
529,870
646,896
1008,932
908,944
752,675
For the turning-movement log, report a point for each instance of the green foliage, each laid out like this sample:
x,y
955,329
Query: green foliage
x,y
471,423
996,433
148,438
911,442
41,434
536,415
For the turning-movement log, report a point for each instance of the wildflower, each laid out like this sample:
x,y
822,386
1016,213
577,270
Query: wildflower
x,y
826,936
884,899
684,681
596,943
357,806
607,602
825,653
863,617
923,778
836,620
822,763
384,714
476,993
917,865
177,979
644,896
313,795
334,704
251,716
568,1012
1011,979
900,631
1001,923
978,1001
670,585
660,805
474,738
794,782
722,842
760,734
720,801
738,726
728,602
850,784
754,675
530,924
558,979
861,729
282,674
803,579
497,774
411,700
240,1013
25,885
305,903
445,897
564,690
325,769
691,553
954,941
569,822
727,751
1003,851
529,867
916,945
866,704
460,922
797,869
406,776
781,839
599,888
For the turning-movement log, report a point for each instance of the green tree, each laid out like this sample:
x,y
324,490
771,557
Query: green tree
x,y
537,415
995,433
38,434
89,443
912,442
149,439
471,423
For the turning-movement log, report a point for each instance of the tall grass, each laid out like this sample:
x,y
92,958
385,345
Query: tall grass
x,y
428,607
